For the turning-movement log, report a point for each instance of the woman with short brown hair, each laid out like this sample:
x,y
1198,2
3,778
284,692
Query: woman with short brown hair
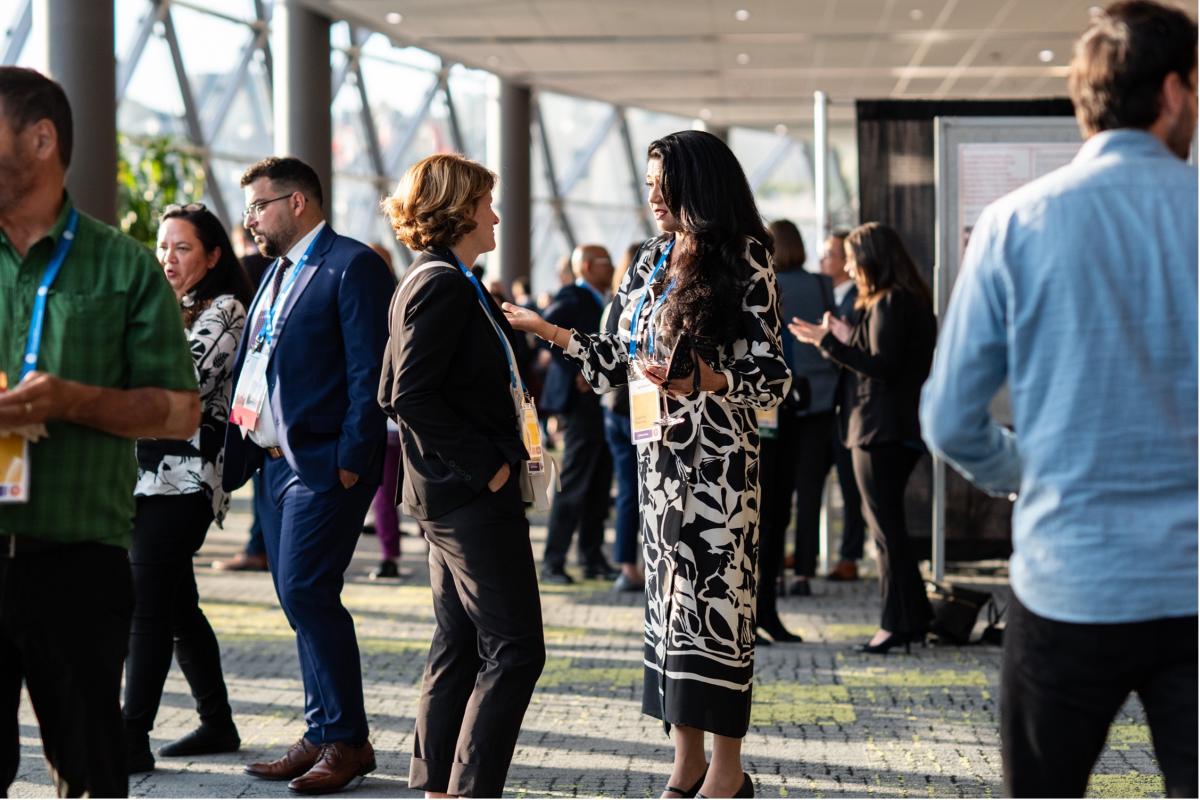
x,y
451,383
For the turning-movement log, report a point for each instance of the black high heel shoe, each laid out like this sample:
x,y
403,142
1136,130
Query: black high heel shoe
x,y
693,791
893,640
745,790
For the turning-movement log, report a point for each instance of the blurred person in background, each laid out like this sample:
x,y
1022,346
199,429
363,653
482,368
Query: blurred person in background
x,y
253,557
884,358
383,505
783,434
179,495
845,295
624,459
586,477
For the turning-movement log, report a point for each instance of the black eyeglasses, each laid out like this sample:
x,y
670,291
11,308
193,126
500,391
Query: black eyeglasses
x,y
254,210
175,209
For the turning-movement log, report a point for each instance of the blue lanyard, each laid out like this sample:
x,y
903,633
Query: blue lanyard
x,y
637,311
267,332
513,374
38,320
581,283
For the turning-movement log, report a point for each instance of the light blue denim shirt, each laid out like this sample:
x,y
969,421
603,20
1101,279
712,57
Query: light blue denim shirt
x,y
1079,289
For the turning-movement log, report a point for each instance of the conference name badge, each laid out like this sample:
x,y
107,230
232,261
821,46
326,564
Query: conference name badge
x,y
768,422
644,404
251,392
14,469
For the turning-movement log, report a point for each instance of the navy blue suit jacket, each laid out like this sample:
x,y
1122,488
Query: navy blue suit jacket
x,y
323,373
573,307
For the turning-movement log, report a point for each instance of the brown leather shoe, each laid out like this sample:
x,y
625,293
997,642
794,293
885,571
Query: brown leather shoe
x,y
295,762
242,562
844,571
339,764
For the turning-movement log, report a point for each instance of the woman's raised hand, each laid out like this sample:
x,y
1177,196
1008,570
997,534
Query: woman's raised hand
x,y
811,333
522,319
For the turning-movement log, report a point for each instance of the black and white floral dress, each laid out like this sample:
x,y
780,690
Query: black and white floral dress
x,y
698,491
179,467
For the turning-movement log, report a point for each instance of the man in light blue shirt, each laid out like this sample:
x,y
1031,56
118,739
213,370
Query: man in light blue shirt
x,y
1079,290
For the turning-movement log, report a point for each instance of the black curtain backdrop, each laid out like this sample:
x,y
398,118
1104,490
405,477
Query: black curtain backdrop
x,y
896,187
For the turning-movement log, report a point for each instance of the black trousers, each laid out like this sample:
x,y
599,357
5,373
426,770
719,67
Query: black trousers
x,y
778,457
487,650
1061,685
882,472
167,531
64,626
818,448
586,483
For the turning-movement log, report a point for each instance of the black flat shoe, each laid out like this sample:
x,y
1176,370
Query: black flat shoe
x,y
138,757
692,792
557,576
205,740
894,640
386,569
603,571
780,634
746,789
800,588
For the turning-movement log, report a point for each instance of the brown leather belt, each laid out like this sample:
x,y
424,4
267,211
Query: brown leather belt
x,y
275,452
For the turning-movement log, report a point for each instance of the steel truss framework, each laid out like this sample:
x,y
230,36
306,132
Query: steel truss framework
x,y
205,115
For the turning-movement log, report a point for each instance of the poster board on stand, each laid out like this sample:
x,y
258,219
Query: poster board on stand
x,y
978,160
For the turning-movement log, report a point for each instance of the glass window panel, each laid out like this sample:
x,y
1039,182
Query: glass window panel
x,y
129,16
349,142
10,12
339,35
241,9
571,124
646,126
615,228
212,47
379,46
549,247
397,95
152,105
246,129
468,87
356,210
608,179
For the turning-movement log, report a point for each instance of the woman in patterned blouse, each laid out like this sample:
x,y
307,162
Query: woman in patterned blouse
x,y
709,275
179,495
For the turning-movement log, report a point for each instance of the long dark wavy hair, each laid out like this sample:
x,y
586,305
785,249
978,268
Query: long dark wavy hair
x,y
228,276
882,263
706,190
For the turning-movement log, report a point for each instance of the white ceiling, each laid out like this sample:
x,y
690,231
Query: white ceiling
x,y
696,59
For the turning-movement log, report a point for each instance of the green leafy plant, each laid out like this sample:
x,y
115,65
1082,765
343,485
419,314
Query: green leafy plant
x,y
151,175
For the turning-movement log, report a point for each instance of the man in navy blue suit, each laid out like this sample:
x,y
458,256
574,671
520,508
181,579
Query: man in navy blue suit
x,y
587,465
304,411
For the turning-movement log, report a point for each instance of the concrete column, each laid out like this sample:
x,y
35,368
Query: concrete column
x,y
821,163
303,89
509,142
77,40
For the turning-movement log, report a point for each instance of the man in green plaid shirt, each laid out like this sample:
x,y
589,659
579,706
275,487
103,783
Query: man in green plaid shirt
x,y
112,366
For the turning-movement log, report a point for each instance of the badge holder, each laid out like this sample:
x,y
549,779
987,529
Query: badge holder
x,y
537,481
251,392
768,422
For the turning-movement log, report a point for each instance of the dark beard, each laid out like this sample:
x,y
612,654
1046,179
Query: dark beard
x,y
16,180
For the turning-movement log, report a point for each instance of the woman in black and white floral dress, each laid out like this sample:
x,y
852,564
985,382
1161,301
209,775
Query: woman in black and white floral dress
x,y
179,495
709,275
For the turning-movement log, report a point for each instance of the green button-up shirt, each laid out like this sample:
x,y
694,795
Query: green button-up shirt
x,y
112,320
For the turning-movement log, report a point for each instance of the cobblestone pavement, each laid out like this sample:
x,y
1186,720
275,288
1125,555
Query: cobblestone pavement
x,y
826,721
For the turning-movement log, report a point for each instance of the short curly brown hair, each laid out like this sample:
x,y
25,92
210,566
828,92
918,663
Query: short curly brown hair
x,y
434,205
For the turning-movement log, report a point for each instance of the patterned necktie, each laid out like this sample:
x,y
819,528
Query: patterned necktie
x,y
276,285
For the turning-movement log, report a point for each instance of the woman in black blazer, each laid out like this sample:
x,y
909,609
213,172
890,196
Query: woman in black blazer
x,y
448,379
885,360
